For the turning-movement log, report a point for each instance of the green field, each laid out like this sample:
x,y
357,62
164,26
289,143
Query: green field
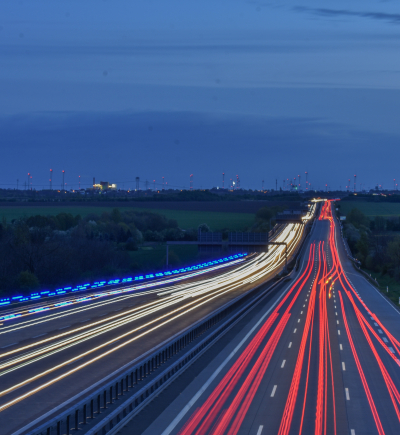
x,y
186,219
371,209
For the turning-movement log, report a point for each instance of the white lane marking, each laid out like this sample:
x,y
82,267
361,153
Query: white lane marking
x,y
391,349
273,390
290,345
338,331
337,321
347,393
352,432
343,366
385,340
301,312
335,313
372,318
8,345
304,305
298,321
283,364
375,324
261,428
295,329
64,327
40,335
341,347
380,331
194,399
335,307
86,320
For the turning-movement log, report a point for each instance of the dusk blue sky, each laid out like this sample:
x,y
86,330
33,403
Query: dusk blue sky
x,y
267,90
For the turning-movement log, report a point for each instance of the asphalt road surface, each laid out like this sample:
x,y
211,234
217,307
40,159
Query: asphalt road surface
x,y
320,356
51,356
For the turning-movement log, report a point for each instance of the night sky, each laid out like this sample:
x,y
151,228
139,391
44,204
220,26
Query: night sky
x,y
153,88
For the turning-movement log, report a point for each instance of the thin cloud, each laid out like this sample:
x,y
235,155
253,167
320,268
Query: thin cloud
x,y
381,16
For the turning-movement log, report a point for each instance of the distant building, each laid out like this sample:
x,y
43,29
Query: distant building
x,y
104,185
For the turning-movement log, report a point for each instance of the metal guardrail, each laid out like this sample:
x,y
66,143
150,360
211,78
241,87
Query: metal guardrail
x,y
137,385
82,415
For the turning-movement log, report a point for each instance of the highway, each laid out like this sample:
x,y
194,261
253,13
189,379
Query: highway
x,y
320,356
51,355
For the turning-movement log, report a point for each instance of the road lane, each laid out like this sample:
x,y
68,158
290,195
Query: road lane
x,y
60,357
317,363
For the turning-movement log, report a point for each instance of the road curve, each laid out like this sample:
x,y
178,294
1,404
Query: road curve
x,y
322,356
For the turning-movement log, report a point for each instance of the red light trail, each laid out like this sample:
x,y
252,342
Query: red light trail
x,y
225,409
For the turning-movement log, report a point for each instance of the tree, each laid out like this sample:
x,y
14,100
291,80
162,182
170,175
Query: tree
x,y
28,281
204,228
380,223
363,247
393,251
357,218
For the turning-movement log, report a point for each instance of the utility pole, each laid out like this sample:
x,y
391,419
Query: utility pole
x,y
17,183
51,179
162,183
147,185
355,179
262,188
137,184
63,178
79,182
154,181
191,182
223,180
29,179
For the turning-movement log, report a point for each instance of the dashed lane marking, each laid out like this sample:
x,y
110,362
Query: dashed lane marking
x,y
8,345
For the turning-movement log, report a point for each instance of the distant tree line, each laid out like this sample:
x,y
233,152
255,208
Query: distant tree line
x,y
48,251
44,252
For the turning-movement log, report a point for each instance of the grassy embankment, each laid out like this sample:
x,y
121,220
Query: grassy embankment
x,y
386,284
372,209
